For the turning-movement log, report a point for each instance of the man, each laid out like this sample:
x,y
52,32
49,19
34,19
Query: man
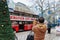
x,y
49,27
39,30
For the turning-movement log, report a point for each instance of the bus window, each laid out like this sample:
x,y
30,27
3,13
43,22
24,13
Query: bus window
x,y
20,22
23,22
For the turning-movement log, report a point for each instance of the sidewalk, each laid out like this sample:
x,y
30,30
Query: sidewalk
x,y
52,36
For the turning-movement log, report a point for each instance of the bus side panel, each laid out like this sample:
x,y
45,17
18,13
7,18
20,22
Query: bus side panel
x,y
27,26
15,27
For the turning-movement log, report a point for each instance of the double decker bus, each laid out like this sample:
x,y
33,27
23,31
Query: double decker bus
x,y
22,21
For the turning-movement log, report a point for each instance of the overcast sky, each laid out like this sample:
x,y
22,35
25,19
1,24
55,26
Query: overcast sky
x,y
28,2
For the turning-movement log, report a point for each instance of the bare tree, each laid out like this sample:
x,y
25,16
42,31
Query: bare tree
x,y
41,4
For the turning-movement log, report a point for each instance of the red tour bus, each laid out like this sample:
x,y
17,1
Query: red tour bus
x,y
23,21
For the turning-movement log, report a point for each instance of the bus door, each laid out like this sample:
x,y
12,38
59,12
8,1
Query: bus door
x,y
21,25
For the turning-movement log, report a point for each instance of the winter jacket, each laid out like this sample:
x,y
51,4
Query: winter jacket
x,y
39,31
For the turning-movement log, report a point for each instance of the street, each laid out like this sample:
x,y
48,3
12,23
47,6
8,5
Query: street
x,y
52,36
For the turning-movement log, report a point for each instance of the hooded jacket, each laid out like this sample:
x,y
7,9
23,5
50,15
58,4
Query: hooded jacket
x,y
39,31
